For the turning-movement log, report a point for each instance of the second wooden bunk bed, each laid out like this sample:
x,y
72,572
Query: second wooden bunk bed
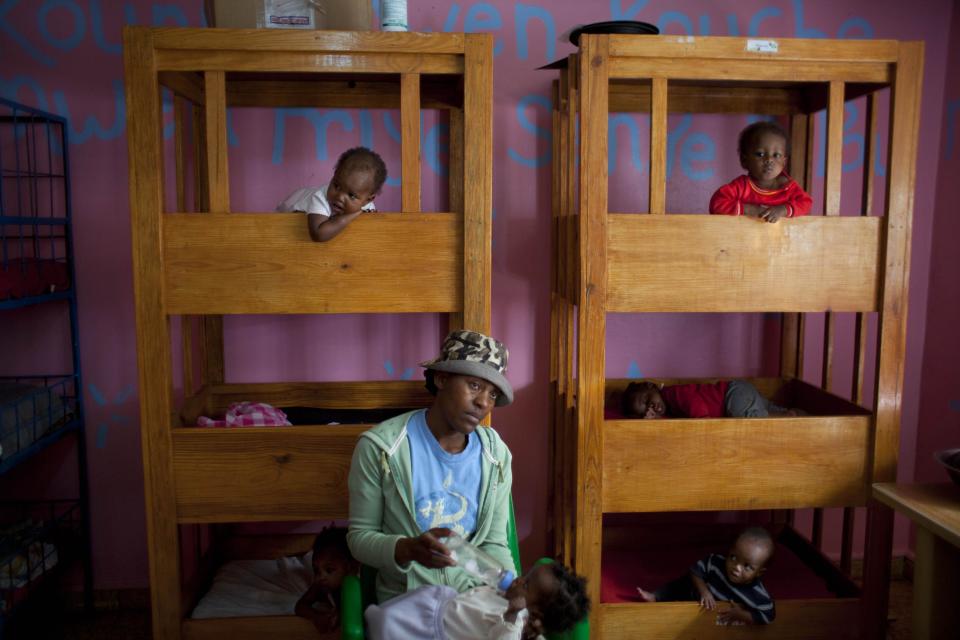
x,y
659,261
195,260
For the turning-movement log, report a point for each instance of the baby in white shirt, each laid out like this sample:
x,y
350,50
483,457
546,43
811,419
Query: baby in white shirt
x,y
357,179
548,599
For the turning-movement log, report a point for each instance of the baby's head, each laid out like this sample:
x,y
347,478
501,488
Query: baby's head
x,y
748,558
357,179
763,148
556,598
643,400
332,560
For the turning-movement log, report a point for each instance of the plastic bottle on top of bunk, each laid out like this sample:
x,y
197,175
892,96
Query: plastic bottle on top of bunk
x,y
393,15
478,562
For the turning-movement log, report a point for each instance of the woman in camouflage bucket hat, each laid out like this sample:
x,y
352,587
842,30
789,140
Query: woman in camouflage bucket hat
x,y
420,476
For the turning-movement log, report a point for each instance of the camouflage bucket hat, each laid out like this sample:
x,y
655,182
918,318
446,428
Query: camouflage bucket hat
x,y
469,353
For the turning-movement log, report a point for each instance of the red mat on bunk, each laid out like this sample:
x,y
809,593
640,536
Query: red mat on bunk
x,y
664,554
24,277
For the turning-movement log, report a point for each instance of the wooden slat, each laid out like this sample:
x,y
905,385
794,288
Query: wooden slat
x,y
738,264
330,395
153,338
185,85
478,174
816,530
796,620
658,146
697,465
212,364
253,628
264,41
410,142
266,263
892,328
338,94
729,48
455,181
707,98
261,473
846,539
293,62
748,70
186,351
215,140
834,161
591,319
179,105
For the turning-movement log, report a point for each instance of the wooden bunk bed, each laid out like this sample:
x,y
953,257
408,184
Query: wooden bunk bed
x,y
195,260
829,458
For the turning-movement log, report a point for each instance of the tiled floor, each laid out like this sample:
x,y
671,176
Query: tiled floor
x,y
135,625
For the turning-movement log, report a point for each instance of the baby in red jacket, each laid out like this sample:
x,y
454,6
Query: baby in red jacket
x,y
766,192
724,399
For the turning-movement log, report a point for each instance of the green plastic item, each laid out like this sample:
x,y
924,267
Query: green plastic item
x,y
357,593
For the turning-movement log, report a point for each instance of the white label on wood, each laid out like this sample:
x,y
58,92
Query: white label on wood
x,y
763,46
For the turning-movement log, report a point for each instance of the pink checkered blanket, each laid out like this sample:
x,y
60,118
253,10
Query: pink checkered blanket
x,y
248,414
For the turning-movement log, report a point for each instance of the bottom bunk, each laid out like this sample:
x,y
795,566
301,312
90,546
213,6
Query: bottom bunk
x,y
265,574
813,598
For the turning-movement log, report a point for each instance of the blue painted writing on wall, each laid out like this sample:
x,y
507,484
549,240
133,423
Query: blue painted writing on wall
x,y
696,150
667,21
320,121
531,101
615,122
484,17
71,17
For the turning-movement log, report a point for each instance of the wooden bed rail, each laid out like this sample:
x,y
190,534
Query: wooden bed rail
x,y
737,264
266,263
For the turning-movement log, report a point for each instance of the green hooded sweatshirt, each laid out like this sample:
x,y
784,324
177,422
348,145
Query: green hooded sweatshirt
x,y
381,508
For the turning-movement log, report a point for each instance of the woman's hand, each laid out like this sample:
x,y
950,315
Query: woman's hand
x,y
425,549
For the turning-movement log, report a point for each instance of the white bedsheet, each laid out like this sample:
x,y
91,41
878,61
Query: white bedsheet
x,y
257,588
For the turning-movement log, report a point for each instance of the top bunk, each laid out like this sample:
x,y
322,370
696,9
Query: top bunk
x,y
846,256
223,263
35,244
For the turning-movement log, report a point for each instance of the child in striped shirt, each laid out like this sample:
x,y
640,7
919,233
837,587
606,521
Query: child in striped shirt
x,y
734,578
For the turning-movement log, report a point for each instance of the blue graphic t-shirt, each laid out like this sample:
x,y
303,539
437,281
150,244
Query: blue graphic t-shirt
x,y
446,486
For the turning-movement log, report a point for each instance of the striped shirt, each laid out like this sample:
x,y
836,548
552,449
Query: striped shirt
x,y
753,596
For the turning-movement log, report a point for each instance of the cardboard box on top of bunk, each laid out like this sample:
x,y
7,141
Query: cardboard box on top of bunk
x,y
347,15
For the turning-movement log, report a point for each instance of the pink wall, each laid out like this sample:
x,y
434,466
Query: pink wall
x,y
65,57
939,411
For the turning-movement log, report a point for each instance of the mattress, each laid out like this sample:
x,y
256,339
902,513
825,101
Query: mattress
x,y
24,277
244,588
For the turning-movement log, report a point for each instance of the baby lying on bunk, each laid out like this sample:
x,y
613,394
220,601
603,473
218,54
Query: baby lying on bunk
x,y
766,192
734,578
548,599
724,399
332,562
357,178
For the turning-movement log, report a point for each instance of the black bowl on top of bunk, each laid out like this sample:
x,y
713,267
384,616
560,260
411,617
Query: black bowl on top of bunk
x,y
950,459
623,27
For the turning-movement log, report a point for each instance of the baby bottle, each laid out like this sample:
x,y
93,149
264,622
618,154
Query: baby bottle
x,y
479,563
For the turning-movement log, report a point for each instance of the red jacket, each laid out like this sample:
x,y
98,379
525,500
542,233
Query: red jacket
x,y
695,400
730,198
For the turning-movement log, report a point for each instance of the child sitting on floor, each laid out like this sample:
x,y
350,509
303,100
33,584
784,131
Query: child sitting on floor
x,y
724,399
548,599
766,192
734,578
357,179
332,562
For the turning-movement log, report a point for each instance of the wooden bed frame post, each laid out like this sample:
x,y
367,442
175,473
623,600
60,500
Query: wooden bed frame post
x,y
153,334
591,318
478,177
892,325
